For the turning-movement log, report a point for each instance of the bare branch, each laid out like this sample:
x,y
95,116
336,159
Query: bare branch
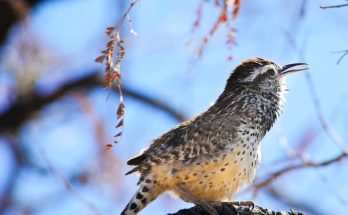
x,y
308,164
22,109
334,6
178,116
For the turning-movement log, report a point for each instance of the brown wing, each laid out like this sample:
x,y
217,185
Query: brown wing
x,y
173,138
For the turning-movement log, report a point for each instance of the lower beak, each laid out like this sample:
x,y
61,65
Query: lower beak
x,y
287,69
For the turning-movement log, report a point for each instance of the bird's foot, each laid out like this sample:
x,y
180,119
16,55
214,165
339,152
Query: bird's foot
x,y
224,207
207,207
248,204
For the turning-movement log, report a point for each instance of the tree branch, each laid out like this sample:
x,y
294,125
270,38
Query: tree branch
x,y
23,108
12,11
228,209
308,164
178,116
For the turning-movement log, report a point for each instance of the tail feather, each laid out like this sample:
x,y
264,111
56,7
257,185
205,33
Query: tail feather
x,y
144,195
137,160
135,169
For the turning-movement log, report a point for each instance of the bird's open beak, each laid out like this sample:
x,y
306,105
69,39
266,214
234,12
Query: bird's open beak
x,y
286,69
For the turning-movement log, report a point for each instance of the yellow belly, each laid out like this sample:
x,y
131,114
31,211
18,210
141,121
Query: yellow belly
x,y
212,179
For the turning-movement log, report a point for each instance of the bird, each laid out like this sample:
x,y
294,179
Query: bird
x,y
211,156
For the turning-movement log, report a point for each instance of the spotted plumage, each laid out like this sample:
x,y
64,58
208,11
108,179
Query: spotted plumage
x,y
214,154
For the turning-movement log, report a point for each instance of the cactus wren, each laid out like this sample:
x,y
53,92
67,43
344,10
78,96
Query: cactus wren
x,y
209,157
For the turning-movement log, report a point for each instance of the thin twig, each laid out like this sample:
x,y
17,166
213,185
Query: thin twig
x,y
69,187
345,52
317,105
124,16
333,190
322,118
334,6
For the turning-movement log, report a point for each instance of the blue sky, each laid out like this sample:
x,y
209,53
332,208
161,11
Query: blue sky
x,y
159,62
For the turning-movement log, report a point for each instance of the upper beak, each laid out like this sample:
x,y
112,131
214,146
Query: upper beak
x,y
285,69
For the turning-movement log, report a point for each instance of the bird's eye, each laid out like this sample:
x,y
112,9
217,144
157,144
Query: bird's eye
x,y
271,72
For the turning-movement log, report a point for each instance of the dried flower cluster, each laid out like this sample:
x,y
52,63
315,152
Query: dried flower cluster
x,y
229,11
113,71
113,66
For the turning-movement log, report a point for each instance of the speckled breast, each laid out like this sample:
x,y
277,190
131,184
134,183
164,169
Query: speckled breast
x,y
216,179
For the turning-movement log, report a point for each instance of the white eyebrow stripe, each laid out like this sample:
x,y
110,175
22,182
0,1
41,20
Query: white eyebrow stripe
x,y
257,72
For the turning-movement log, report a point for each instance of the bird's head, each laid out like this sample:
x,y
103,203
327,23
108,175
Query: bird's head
x,y
261,75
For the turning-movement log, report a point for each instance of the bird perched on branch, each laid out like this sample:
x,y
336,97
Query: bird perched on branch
x,y
208,158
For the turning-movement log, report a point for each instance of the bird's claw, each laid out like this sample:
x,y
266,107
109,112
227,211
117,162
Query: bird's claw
x,y
248,204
